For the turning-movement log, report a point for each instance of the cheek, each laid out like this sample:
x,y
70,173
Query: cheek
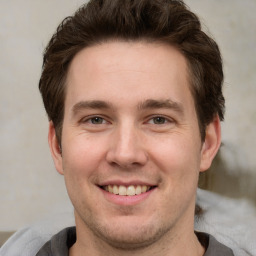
x,y
178,159
176,149
179,167
81,160
82,155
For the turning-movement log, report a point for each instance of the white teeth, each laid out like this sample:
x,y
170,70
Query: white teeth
x,y
138,190
122,191
130,191
110,189
115,190
144,189
126,191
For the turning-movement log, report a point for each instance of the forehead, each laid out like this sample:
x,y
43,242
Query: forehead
x,y
133,67
121,53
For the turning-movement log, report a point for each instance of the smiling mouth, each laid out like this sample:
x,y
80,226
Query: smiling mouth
x,y
130,190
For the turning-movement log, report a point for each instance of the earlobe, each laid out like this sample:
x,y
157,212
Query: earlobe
x,y
55,148
211,144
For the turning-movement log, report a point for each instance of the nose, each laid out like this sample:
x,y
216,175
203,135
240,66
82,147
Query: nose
x,y
126,148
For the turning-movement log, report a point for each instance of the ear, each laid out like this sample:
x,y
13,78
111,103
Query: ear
x,y
55,148
211,144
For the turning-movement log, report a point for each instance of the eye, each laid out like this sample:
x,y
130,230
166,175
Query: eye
x,y
158,120
93,120
96,120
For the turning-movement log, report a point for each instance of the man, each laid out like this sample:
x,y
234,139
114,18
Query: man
x,y
133,91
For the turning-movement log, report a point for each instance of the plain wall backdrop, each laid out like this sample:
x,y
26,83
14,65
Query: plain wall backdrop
x,y
30,188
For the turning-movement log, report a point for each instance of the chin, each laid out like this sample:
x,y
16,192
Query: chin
x,y
131,236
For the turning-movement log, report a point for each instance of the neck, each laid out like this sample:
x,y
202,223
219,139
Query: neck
x,y
194,248
182,243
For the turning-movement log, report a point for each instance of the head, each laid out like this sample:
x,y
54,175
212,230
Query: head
x,y
133,94
164,21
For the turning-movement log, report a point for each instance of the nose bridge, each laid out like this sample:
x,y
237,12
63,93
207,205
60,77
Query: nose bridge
x,y
126,147
126,143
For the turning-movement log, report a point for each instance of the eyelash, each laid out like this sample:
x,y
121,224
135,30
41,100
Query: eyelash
x,y
163,120
90,120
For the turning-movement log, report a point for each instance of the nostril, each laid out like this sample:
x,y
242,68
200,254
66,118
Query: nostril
x,y
125,152
127,162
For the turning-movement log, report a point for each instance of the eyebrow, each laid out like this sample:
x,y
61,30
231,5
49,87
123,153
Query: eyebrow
x,y
166,103
147,104
91,104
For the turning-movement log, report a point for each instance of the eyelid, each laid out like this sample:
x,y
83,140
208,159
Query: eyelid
x,y
167,119
90,117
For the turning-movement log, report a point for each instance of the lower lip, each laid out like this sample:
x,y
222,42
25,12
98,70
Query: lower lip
x,y
127,200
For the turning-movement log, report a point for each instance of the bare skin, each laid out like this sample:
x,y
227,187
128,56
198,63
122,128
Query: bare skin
x,y
130,123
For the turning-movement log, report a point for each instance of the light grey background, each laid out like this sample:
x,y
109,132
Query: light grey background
x,y
30,188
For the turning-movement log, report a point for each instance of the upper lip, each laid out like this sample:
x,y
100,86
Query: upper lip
x,y
126,183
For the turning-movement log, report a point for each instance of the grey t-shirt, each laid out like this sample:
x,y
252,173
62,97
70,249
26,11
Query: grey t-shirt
x,y
60,243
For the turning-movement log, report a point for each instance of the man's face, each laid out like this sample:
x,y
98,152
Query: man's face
x,y
131,147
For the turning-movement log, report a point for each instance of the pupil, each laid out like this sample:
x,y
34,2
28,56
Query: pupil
x,y
159,120
97,120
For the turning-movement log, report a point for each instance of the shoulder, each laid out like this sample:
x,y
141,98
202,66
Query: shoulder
x,y
28,240
224,218
59,244
213,247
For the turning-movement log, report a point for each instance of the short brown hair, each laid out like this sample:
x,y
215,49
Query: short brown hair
x,y
166,21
